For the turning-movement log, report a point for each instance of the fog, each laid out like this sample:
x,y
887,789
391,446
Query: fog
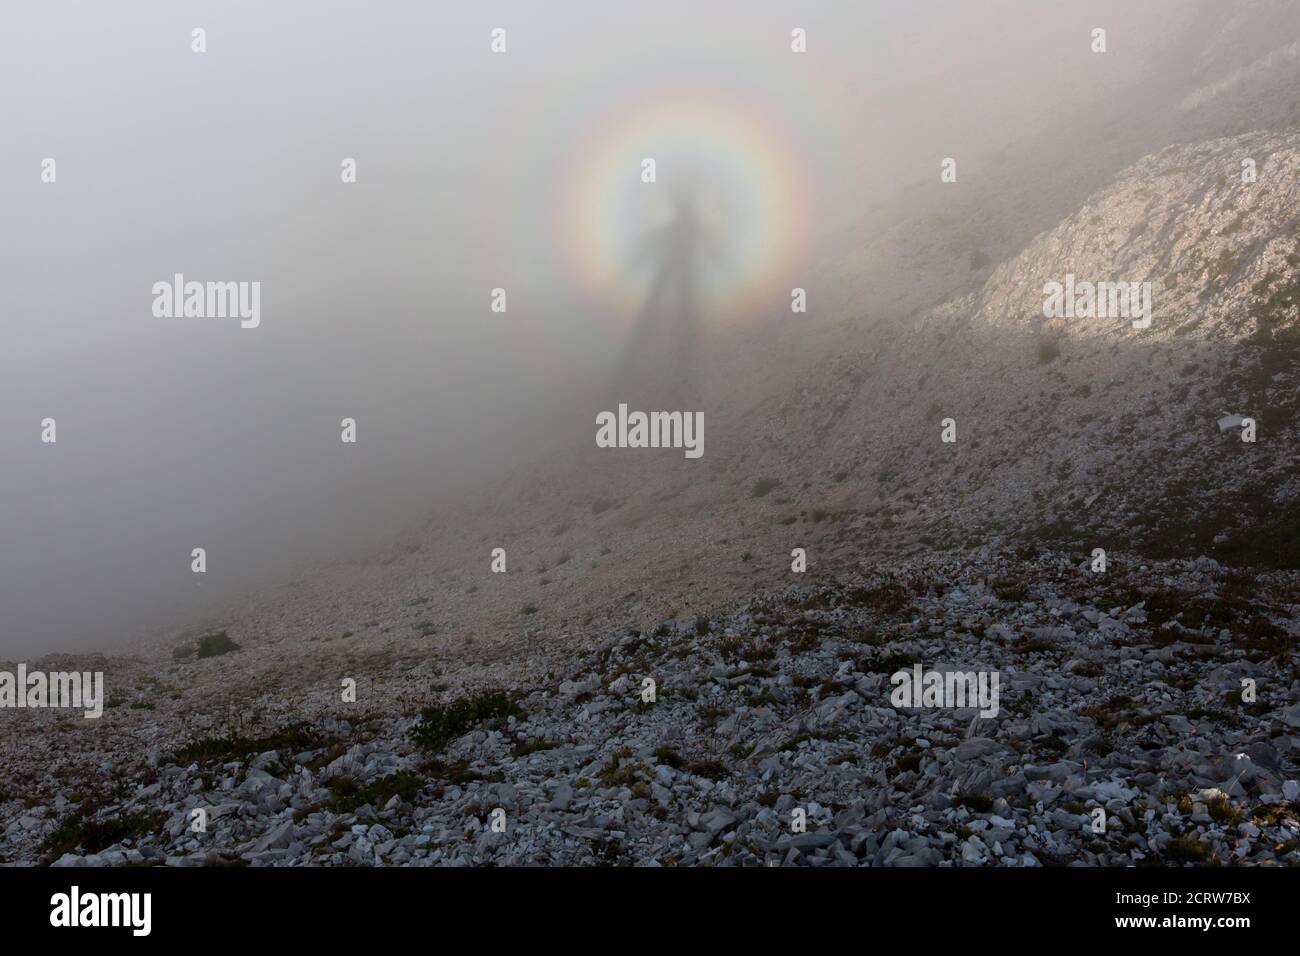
x,y
474,171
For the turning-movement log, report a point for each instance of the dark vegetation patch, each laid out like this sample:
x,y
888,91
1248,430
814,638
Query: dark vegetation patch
x,y
888,598
622,770
1260,638
214,645
296,737
907,763
1268,538
1277,815
890,663
669,758
737,649
347,796
1219,807
1111,713
1187,848
711,769
78,833
1161,606
1235,606
792,744
1260,532
525,747
440,724
975,802
1010,589
457,773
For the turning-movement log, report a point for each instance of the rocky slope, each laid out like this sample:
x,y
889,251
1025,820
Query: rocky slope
x,y
1120,691
1105,434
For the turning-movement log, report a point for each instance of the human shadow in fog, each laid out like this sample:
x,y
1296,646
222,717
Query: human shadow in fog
x,y
659,368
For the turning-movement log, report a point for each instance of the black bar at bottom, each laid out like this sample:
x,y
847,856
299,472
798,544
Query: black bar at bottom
x,y
335,905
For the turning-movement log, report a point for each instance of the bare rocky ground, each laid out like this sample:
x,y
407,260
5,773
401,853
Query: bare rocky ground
x,y
1121,690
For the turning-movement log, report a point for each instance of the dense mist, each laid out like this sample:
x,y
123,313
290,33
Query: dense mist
x,y
475,171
